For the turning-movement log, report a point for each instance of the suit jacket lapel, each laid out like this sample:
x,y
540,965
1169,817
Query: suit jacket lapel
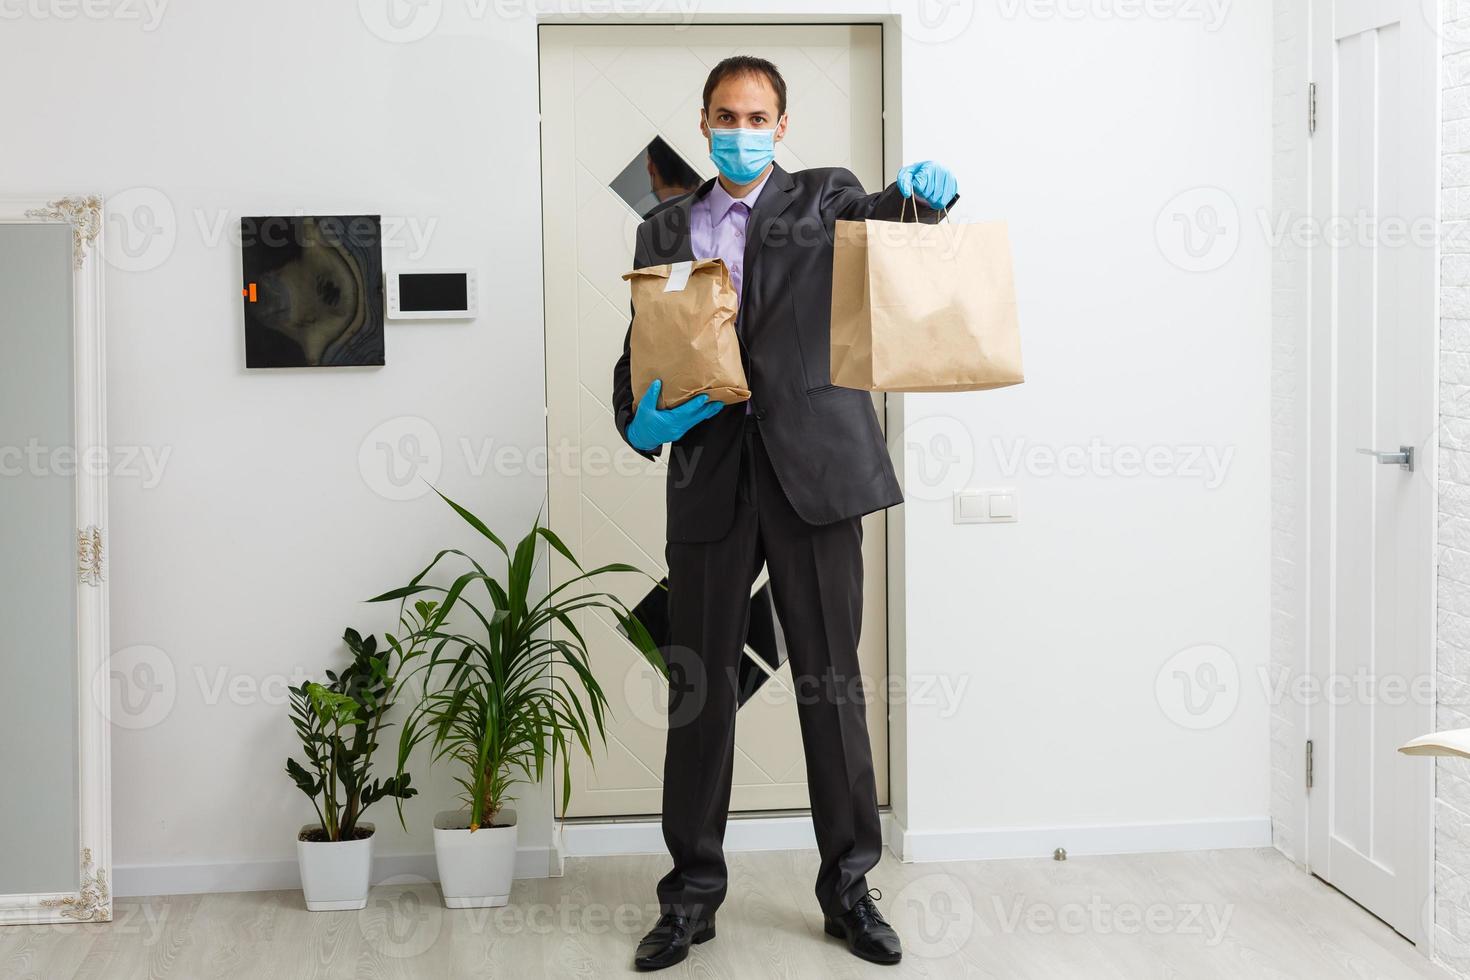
x,y
775,198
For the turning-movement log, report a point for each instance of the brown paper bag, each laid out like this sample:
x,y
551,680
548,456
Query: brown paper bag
x,y
684,333
919,307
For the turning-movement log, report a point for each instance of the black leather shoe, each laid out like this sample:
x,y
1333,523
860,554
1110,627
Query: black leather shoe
x,y
868,934
669,940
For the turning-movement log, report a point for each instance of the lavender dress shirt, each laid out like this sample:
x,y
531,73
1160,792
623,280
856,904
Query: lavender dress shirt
x,y
717,231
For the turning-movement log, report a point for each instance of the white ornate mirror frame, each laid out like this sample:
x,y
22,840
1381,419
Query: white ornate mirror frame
x,y
91,901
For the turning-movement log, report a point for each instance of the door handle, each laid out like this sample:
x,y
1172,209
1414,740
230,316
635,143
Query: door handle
x,y
1404,458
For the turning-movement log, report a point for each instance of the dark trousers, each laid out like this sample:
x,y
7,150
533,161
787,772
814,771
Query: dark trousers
x,y
817,584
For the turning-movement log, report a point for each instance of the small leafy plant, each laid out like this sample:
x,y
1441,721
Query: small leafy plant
x,y
338,724
510,692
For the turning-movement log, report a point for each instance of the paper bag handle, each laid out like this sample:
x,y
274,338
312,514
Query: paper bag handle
x,y
903,209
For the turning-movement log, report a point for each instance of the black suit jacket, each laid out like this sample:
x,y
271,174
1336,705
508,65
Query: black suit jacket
x,y
824,441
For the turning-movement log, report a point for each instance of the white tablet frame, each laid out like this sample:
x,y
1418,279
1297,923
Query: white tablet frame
x,y
472,295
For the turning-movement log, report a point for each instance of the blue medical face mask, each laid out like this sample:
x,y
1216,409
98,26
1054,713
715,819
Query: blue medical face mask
x,y
741,154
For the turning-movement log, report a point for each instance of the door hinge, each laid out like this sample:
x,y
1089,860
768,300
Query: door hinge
x,y
1309,763
1312,109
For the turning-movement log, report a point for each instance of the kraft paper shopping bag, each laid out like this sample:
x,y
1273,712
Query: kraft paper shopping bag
x,y
684,333
919,307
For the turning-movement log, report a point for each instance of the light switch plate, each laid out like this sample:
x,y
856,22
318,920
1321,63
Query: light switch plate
x,y
985,507
970,507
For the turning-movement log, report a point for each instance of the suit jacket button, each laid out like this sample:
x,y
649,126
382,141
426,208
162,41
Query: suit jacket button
x,y
760,415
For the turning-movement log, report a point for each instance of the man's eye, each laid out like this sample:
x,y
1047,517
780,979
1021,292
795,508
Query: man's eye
x,y
758,120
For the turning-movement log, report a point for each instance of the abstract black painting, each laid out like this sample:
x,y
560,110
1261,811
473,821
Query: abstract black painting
x,y
312,290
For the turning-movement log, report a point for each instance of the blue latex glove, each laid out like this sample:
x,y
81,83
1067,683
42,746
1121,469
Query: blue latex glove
x,y
935,185
652,427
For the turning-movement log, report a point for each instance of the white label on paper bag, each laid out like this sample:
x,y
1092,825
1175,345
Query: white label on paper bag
x,y
678,277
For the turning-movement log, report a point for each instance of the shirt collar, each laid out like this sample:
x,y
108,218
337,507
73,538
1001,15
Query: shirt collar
x,y
720,200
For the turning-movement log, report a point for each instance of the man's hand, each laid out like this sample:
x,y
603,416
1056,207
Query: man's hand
x,y
935,185
652,427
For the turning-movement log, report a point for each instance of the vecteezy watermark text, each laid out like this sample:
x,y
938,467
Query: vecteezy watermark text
x,y
143,463
1208,464
148,13
1209,13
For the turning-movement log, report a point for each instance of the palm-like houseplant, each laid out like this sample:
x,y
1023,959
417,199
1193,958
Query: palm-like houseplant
x,y
508,687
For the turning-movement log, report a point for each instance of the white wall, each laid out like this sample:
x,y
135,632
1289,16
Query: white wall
x,y
244,563
1081,133
257,546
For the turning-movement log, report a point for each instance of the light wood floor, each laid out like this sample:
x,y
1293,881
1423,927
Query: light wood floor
x,y
1226,914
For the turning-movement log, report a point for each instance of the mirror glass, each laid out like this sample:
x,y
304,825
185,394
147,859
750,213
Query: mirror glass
x,y
38,573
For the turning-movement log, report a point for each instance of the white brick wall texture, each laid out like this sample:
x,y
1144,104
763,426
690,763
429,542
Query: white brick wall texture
x,y
1452,776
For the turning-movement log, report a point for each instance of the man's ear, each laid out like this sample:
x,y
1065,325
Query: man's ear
x,y
781,128
703,124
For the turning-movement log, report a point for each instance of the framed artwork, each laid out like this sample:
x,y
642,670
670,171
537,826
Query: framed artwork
x,y
312,290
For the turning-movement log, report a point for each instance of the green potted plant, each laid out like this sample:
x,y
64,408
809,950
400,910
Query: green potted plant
x,y
507,692
338,724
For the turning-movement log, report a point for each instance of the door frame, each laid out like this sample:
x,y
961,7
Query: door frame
x,y
1318,349
891,33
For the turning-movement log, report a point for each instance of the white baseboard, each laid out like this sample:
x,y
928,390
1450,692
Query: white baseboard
x,y
282,875
988,844
766,833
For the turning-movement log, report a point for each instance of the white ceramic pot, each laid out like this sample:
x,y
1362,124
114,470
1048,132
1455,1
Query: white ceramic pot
x,y
475,868
334,874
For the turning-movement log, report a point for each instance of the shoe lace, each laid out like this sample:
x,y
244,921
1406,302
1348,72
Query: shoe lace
x,y
865,912
673,922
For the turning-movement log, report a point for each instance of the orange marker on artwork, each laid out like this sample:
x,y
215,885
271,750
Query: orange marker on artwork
x,y
250,293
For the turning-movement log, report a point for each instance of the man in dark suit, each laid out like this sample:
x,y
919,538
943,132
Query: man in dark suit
x,y
783,480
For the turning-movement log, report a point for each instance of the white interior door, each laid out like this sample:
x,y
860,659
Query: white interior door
x,y
620,132
1373,388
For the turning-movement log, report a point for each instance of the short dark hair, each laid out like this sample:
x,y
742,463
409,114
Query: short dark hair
x,y
744,64
671,168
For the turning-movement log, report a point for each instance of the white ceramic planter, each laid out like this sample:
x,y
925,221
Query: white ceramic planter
x,y
475,869
334,874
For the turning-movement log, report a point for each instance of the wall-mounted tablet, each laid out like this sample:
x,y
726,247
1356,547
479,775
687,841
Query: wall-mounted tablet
x,y
431,294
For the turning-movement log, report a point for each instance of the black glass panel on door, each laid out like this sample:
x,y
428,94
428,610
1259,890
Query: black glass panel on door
x,y
657,174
